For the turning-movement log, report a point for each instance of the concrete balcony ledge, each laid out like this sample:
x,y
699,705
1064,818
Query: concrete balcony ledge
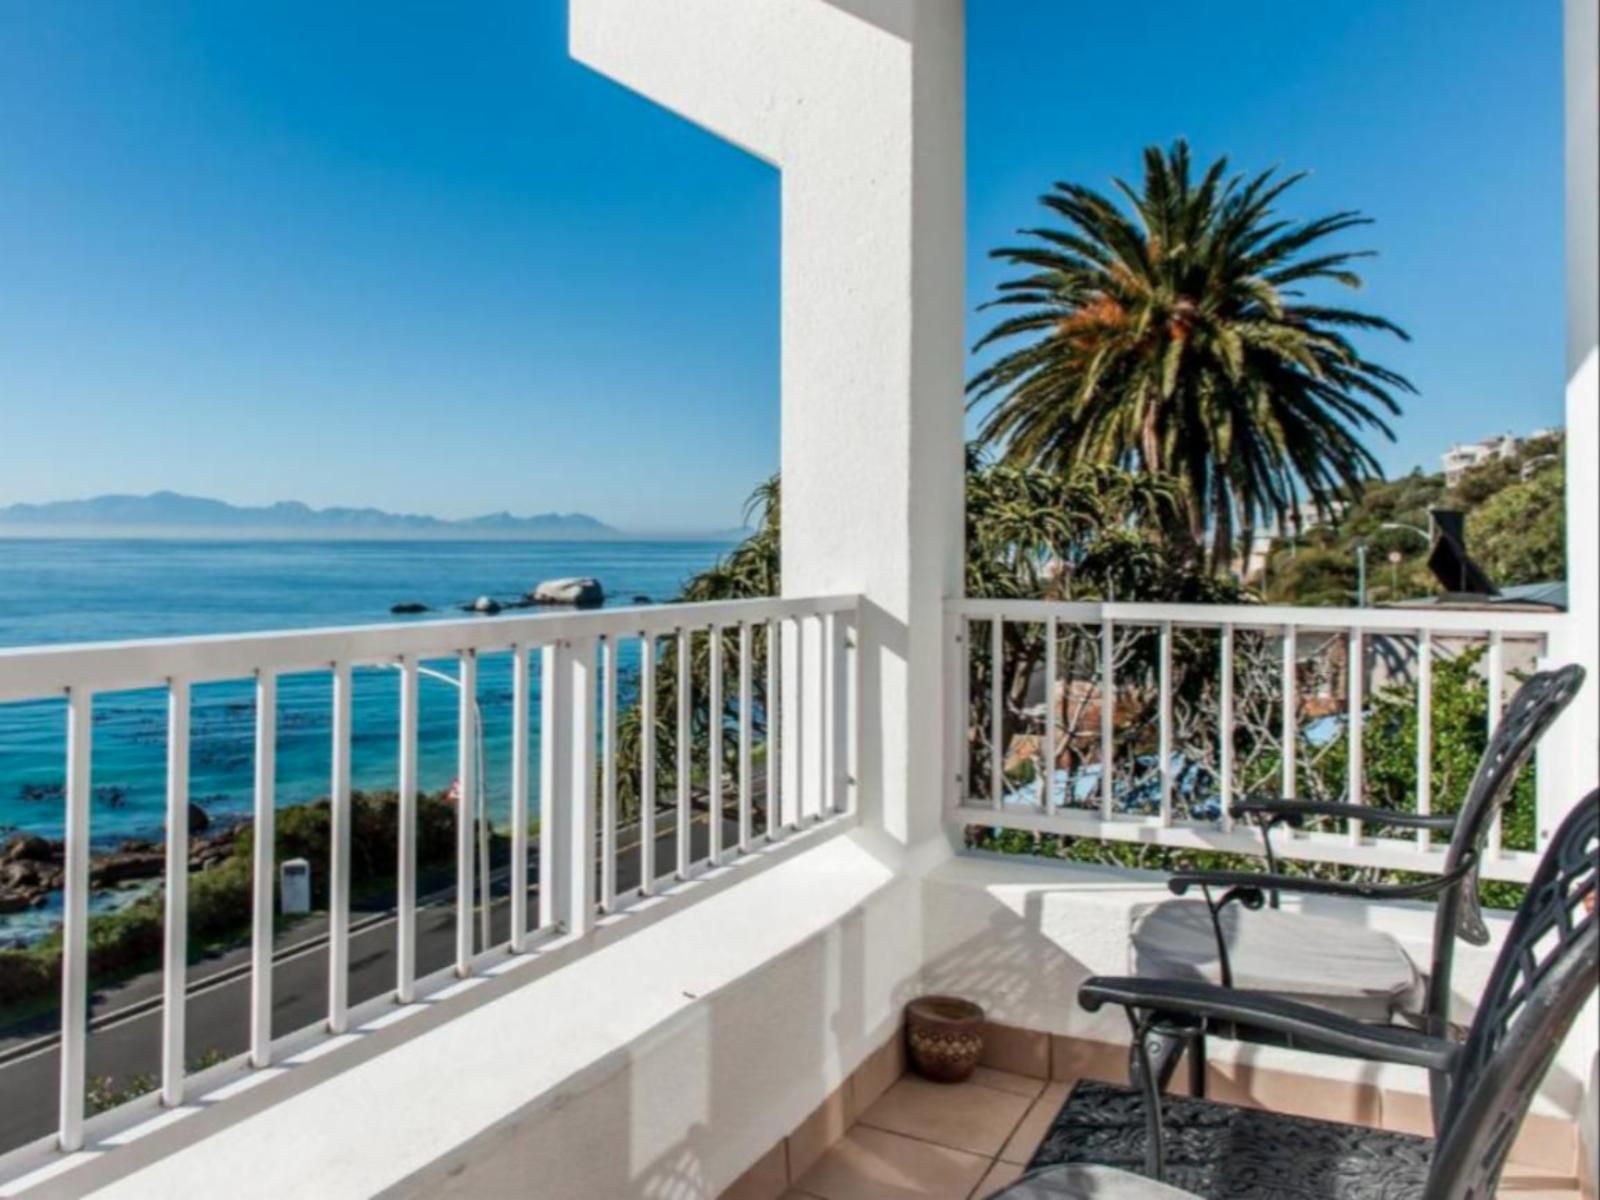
x,y
672,1055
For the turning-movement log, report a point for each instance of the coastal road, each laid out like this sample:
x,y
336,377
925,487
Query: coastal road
x,y
122,1047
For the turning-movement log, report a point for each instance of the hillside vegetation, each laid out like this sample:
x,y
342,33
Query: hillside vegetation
x,y
1515,530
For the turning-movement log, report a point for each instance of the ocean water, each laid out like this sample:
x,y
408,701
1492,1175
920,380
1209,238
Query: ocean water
x,y
55,591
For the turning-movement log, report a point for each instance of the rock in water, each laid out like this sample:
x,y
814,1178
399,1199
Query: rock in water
x,y
199,821
407,607
581,592
487,605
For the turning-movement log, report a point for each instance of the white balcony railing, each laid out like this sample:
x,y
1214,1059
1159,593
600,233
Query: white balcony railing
x,y
575,843
1156,716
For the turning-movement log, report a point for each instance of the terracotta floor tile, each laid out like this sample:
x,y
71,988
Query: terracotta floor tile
x,y
1020,1146
1002,1174
962,1116
869,1164
1531,1183
1008,1081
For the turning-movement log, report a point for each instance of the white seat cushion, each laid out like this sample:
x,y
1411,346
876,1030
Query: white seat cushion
x,y
1334,964
1089,1183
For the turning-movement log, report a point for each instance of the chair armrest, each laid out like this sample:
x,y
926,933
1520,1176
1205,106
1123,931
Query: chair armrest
x,y
1245,882
1305,1026
1294,812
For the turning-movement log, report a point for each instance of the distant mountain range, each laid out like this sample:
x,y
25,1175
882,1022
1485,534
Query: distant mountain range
x,y
174,514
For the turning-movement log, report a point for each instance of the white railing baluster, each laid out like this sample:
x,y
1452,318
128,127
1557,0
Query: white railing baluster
x,y
467,785
521,687
1355,751
1496,667
1052,684
746,724
1164,721
1108,719
1225,732
263,866
339,852
685,699
608,779
1424,731
405,971
647,764
176,908
1291,712
553,782
580,823
964,732
997,712
795,742
714,745
854,653
75,920
775,708
838,714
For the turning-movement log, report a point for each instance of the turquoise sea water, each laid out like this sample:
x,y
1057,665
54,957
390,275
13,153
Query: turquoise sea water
x,y
54,591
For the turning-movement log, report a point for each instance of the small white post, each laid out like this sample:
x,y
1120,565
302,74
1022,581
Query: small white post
x,y
521,684
174,975
75,921
647,764
405,969
579,903
339,852
555,775
746,802
608,779
467,783
714,744
1225,732
262,867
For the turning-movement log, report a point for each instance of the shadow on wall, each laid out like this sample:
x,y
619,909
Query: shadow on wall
x,y
684,1111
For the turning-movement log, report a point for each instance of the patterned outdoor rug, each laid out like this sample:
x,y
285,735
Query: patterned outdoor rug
x,y
1227,1153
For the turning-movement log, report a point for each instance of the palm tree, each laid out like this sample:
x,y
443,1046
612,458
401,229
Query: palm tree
x,y
1176,339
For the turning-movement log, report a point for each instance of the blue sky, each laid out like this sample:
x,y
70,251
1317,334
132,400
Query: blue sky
x,y
409,255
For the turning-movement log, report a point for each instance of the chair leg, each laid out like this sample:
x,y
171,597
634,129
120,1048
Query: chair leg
x,y
1147,1075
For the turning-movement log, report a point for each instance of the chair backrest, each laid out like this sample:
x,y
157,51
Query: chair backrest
x,y
1537,703
1544,974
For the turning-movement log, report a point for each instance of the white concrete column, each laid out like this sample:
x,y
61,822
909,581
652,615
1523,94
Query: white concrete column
x,y
1575,741
861,105
1570,763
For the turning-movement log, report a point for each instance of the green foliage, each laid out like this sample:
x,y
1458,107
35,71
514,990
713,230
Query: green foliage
x,y
1177,338
1515,530
1518,534
221,900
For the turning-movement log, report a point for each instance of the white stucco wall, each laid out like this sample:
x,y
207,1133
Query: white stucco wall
x,y
1580,728
859,103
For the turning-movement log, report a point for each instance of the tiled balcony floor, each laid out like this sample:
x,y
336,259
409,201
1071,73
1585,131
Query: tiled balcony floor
x,y
934,1141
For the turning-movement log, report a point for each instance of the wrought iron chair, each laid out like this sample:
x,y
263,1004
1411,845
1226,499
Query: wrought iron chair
x,y
1483,1086
1238,936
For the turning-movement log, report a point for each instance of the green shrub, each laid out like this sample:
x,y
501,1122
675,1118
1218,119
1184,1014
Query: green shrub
x,y
221,899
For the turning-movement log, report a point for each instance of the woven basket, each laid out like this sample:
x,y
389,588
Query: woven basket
x,y
944,1036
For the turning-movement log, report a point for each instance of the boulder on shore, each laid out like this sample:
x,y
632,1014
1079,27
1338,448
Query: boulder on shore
x,y
579,592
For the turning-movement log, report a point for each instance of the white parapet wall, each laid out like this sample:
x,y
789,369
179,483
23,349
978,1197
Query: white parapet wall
x,y
1020,936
